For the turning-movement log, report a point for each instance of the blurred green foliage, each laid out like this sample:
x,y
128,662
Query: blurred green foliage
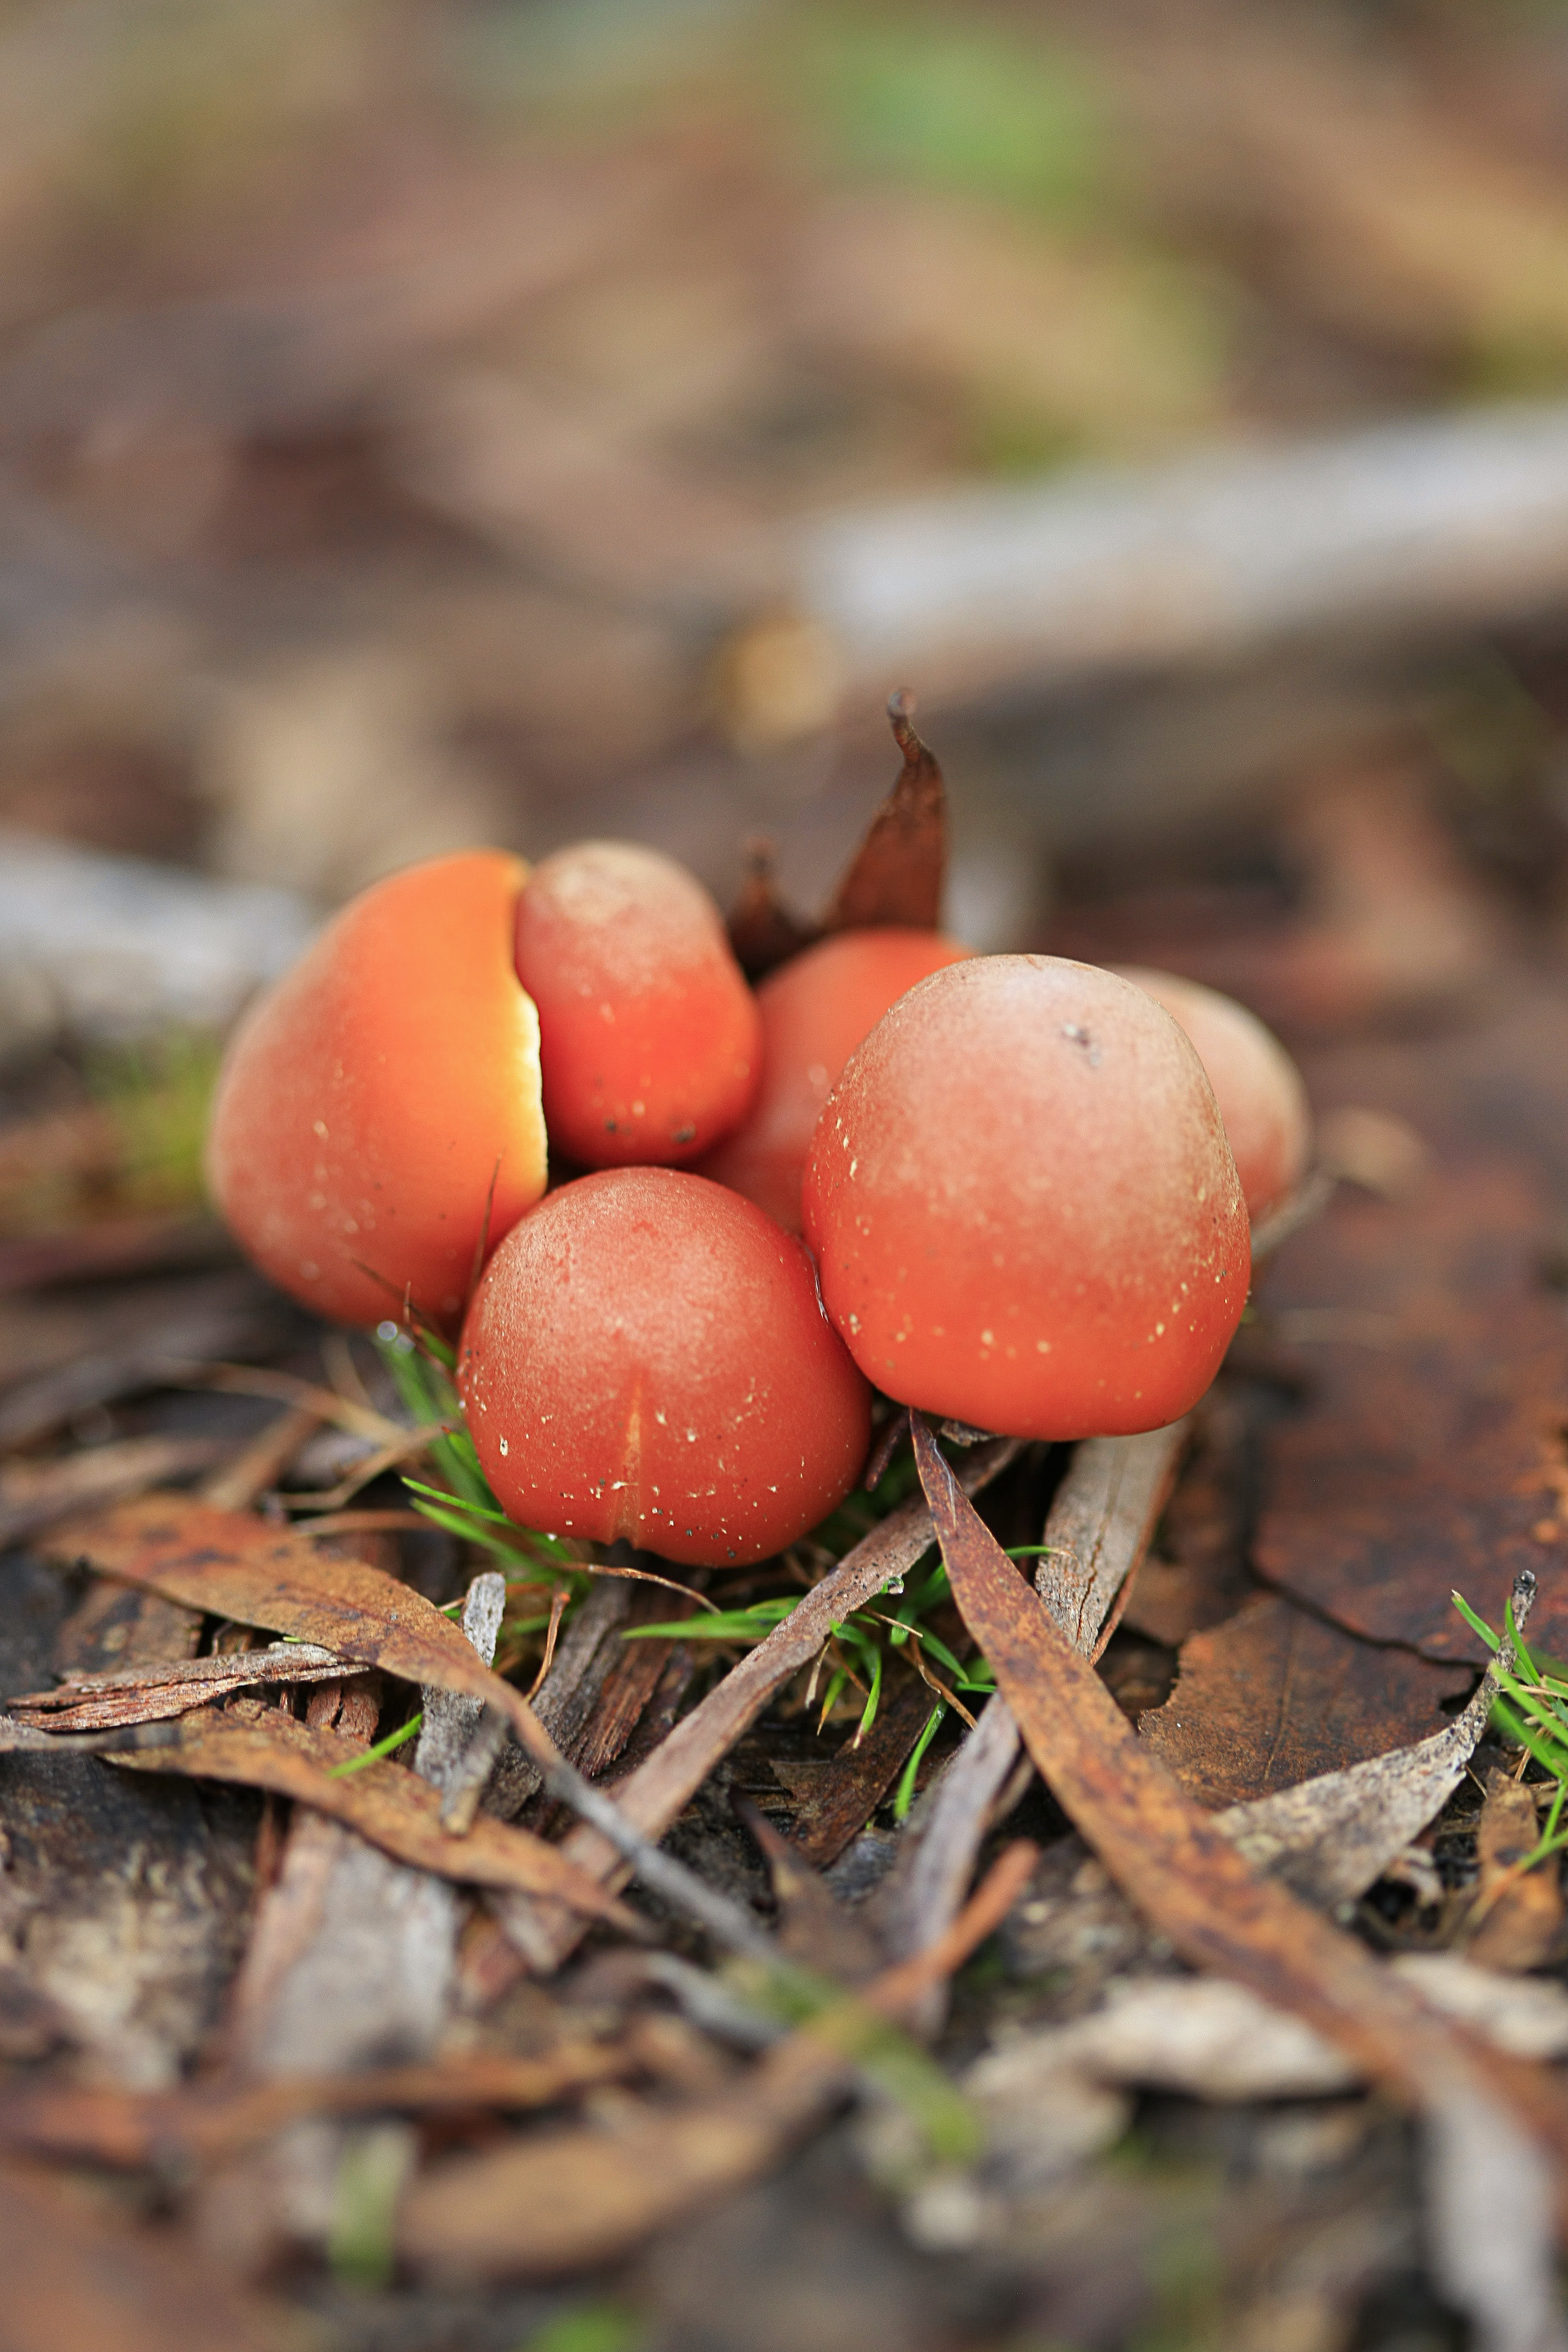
x,y
157,1096
596,2326
958,103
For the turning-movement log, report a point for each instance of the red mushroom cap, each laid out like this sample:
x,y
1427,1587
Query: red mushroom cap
x,y
378,1114
816,1009
649,1038
646,1357
1257,1085
1024,1207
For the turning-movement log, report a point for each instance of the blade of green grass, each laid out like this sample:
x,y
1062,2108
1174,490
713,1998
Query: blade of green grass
x,y
393,1739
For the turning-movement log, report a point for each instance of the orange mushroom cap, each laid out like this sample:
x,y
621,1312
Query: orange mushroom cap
x,y
650,1042
646,1357
1261,1098
1023,1204
371,1100
814,1010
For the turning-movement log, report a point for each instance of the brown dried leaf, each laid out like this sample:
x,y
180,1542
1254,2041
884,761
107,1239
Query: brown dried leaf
x,y
1196,1888
1429,1455
393,1809
233,1565
897,874
1098,1527
1329,1838
763,931
74,2276
1275,1697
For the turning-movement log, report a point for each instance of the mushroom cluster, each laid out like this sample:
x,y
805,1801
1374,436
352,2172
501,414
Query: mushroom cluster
x,y
544,1113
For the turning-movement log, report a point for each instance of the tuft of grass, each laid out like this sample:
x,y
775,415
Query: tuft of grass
x,y
1531,1711
158,1096
959,104
597,2327
464,1505
857,1651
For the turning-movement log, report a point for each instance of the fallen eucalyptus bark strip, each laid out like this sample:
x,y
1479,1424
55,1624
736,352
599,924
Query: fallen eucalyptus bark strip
x,y
558,2201
1101,1523
106,2125
1491,2192
152,1693
27,1740
351,1959
1211,2039
934,1865
1422,525
393,1809
449,1755
651,1797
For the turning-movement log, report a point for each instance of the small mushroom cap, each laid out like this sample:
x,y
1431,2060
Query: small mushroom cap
x,y
1257,1085
646,1357
650,1041
369,1102
1023,1204
815,1009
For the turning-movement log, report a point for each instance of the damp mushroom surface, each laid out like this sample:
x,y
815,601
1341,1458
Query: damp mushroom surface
x,y
651,1038
647,1358
378,1120
814,1010
1022,1206
1259,1090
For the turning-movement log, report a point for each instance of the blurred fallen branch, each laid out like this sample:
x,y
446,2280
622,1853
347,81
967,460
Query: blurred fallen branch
x,y
1380,534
